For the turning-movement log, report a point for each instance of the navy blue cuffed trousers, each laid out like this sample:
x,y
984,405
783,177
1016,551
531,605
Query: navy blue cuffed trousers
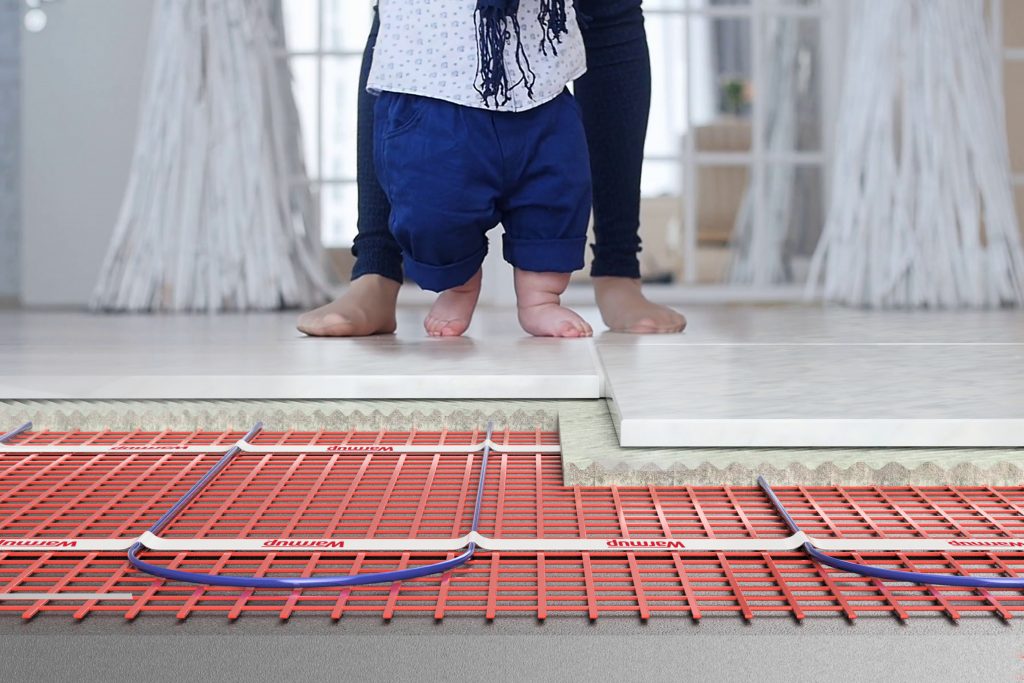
x,y
451,173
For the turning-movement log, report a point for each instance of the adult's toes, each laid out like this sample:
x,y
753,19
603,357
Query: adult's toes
x,y
645,326
673,321
329,320
323,324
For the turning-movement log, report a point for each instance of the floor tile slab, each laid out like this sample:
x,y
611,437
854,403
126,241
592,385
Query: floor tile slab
x,y
88,356
816,396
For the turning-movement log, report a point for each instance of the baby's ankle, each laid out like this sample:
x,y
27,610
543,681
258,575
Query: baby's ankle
x,y
539,289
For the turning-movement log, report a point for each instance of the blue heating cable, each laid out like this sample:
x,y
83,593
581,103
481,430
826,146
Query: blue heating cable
x,y
299,582
889,574
14,432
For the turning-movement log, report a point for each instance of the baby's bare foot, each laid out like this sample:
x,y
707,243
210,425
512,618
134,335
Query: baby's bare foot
x,y
624,308
452,312
552,320
540,312
368,307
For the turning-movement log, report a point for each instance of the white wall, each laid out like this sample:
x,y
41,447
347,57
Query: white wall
x,y
10,103
81,80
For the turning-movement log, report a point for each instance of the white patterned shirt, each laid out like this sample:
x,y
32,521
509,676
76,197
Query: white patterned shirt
x,y
429,48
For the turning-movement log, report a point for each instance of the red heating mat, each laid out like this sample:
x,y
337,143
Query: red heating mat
x,y
119,494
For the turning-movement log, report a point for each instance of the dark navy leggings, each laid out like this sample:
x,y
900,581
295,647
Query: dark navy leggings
x,y
615,97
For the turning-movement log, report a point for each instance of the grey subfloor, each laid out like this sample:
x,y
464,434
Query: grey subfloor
x,y
263,649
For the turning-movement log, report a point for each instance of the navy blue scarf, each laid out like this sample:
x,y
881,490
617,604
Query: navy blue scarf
x,y
497,24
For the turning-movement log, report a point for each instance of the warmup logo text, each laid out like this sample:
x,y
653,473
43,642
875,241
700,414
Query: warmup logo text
x,y
299,543
362,449
626,543
987,544
36,543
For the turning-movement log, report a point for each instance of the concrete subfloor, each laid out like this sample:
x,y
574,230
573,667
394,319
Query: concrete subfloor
x,y
512,649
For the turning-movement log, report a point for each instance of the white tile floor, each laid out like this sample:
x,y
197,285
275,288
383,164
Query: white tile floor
x,y
739,376
817,396
76,355
809,376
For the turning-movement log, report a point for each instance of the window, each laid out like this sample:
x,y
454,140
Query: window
x,y
736,133
325,40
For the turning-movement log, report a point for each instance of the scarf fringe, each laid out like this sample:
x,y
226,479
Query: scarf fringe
x,y
497,22
555,22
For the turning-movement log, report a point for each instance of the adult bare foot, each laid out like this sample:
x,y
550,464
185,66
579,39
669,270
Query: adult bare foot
x,y
624,308
540,313
453,311
368,307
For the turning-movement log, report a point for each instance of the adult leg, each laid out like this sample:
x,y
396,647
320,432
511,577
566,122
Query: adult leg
x,y
615,96
368,307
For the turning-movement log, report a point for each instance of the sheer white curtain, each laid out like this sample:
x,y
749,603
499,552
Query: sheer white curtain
x,y
217,214
922,211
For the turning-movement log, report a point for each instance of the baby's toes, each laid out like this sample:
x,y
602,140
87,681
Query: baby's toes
x,y
568,329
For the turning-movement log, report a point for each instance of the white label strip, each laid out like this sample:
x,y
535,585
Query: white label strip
x,y
639,544
306,545
273,545
100,450
454,544
66,596
246,447
915,544
64,544
471,448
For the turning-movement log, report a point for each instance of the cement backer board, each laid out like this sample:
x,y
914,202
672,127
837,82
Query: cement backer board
x,y
591,455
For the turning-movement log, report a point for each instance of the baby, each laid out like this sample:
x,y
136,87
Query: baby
x,y
474,127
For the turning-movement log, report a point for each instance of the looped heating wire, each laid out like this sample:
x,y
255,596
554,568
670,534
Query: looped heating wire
x,y
299,582
888,574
